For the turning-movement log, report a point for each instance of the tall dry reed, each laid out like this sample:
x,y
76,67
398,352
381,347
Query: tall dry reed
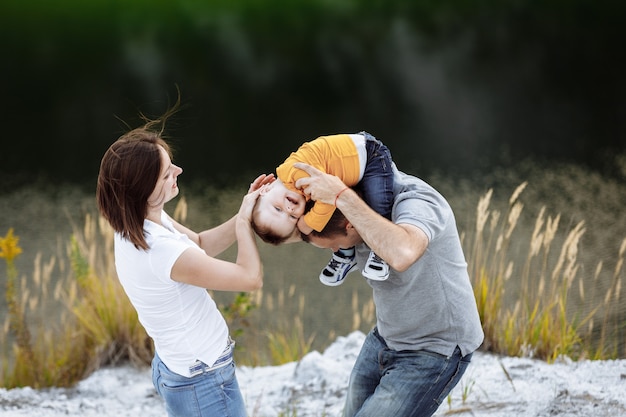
x,y
525,307
530,283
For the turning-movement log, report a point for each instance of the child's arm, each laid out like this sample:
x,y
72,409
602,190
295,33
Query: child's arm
x,y
319,215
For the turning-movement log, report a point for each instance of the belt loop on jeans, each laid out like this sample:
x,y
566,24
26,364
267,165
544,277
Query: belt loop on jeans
x,y
224,359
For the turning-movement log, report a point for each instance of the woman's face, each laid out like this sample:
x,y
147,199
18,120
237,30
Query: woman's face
x,y
166,187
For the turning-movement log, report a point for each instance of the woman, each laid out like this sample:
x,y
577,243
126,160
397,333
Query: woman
x,y
166,269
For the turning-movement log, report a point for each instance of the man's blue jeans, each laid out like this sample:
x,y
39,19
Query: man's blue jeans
x,y
389,383
212,393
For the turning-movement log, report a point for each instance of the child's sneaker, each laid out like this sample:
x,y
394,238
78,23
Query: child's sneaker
x,y
337,269
375,268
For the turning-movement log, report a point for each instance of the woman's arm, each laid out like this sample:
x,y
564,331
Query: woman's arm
x,y
204,270
213,241
245,274
217,239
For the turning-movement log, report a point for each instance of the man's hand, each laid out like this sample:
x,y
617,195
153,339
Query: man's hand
x,y
319,185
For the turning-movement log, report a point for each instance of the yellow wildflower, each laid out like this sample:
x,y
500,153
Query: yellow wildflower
x,y
9,248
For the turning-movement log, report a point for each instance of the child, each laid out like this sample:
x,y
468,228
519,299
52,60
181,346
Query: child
x,y
357,159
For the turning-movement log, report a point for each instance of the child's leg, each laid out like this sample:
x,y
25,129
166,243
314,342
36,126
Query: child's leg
x,y
377,189
345,253
377,182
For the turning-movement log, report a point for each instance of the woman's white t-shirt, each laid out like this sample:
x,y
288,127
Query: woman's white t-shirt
x,y
182,319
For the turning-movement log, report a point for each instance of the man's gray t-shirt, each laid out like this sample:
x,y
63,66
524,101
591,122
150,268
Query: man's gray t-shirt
x,y
431,305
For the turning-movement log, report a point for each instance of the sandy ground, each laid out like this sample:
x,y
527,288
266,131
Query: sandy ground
x,y
315,387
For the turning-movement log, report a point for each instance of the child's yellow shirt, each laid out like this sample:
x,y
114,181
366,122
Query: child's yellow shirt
x,y
336,155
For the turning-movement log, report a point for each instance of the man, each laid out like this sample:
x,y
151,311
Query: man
x,y
427,323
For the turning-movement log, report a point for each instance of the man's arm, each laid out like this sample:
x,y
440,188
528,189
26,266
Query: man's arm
x,y
400,245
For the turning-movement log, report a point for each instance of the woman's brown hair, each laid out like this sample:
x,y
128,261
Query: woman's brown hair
x,y
129,171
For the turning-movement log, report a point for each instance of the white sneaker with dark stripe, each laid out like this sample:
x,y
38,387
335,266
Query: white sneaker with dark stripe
x,y
376,269
337,269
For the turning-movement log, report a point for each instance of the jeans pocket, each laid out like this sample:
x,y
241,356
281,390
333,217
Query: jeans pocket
x,y
180,400
155,378
178,392
458,369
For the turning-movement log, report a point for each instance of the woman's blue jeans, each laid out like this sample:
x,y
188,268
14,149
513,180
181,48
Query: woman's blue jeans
x,y
212,393
389,383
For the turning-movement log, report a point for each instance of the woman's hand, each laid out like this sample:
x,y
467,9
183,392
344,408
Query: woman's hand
x,y
247,205
260,181
249,200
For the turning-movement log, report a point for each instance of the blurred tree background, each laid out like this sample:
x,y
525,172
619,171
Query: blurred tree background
x,y
453,86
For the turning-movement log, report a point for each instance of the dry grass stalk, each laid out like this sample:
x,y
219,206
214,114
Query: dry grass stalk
x,y
538,323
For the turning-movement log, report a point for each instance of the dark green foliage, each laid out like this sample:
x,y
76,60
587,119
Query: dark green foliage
x,y
456,85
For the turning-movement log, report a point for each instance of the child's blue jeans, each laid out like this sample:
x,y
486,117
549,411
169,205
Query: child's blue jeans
x,y
377,182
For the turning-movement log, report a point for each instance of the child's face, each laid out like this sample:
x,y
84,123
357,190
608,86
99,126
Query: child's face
x,y
279,208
